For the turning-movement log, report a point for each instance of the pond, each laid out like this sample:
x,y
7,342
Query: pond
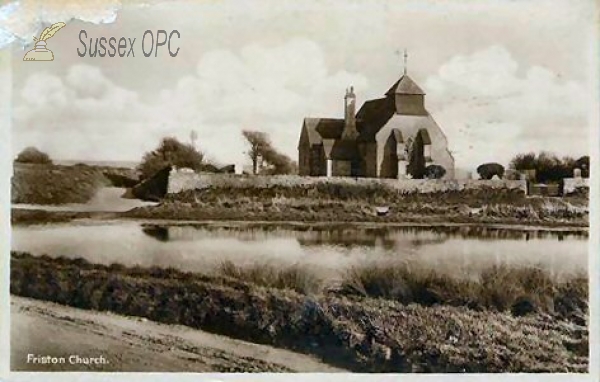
x,y
329,250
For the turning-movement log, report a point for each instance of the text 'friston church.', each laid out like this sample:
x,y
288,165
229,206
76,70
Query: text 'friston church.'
x,y
390,137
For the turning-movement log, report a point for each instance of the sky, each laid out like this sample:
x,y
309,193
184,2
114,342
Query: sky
x,y
501,77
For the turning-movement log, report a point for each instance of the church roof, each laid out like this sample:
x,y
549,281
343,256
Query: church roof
x,y
323,128
340,149
373,115
405,85
370,119
328,131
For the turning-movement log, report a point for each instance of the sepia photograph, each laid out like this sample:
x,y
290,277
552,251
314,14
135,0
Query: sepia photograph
x,y
301,187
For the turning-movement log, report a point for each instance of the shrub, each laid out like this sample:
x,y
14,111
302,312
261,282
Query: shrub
x,y
488,170
548,167
583,164
435,171
33,155
170,152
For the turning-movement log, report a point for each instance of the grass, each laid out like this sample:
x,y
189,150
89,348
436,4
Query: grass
x,y
56,184
372,192
26,217
355,203
500,288
538,209
518,290
295,277
360,333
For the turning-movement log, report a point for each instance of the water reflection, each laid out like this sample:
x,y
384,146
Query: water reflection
x,y
329,249
157,232
357,236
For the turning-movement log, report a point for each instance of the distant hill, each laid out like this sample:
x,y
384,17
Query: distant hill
x,y
107,163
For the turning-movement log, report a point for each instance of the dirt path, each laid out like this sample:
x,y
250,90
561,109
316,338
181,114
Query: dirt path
x,y
134,344
106,199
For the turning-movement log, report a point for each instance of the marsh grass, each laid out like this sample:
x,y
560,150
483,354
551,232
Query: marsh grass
x,y
406,283
295,277
520,290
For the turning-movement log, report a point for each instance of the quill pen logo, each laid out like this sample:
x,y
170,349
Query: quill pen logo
x,y
40,52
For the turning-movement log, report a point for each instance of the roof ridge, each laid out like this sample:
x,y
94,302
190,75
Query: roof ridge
x,y
405,85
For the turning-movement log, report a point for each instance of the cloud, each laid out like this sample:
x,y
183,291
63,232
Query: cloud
x,y
267,88
82,115
21,20
264,88
491,108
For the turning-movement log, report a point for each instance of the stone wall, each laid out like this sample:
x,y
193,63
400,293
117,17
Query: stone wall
x,y
179,181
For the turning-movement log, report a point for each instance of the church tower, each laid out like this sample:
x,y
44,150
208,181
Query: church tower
x,y
408,97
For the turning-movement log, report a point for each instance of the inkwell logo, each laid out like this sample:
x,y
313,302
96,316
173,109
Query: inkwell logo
x,y
40,52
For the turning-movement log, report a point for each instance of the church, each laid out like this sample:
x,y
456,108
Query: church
x,y
390,137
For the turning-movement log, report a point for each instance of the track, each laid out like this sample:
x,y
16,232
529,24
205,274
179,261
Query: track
x,y
133,344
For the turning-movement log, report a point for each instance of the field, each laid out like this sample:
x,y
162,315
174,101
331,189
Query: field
x,y
56,184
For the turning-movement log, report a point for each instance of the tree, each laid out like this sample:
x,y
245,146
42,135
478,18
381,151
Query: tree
x,y
260,147
33,155
583,164
548,167
258,142
278,163
488,170
435,171
523,162
170,152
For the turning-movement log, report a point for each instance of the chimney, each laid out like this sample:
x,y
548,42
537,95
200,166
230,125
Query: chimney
x,y
350,132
